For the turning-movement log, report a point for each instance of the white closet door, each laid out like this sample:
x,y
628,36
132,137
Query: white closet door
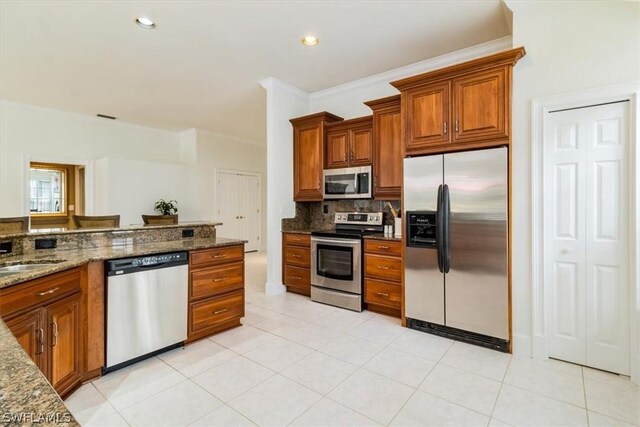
x,y
239,200
586,228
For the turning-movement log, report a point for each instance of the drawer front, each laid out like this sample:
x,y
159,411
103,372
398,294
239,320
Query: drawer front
x,y
383,247
297,256
39,292
214,311
297,276
297,239
383,293
217,280
217,255
383,267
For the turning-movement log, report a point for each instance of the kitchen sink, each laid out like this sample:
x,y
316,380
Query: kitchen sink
x,y
9,269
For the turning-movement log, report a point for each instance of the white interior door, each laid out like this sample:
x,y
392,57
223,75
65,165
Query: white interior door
x,y
586,231
238,200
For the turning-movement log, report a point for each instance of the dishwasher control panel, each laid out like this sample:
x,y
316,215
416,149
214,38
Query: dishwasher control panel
x,y
121,266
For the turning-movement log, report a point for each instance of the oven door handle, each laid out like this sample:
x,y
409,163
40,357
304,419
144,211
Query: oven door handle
x,y
345,242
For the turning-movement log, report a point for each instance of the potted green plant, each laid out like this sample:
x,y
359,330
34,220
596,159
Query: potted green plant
x,y
166,208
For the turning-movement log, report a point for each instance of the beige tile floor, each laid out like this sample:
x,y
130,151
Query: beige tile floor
x,y
299,363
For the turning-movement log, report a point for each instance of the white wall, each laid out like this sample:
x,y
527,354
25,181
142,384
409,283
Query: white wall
x,y
133,166
221,152
571,46
283,103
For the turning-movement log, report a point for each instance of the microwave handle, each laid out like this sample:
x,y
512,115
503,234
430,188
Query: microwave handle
x,y
355,183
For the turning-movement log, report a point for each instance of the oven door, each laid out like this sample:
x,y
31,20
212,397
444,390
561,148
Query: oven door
x,y
336,264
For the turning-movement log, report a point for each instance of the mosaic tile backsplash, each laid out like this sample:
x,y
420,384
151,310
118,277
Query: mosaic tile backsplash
x,y
311,216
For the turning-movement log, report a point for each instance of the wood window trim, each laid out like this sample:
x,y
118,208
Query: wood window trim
x,y
64,169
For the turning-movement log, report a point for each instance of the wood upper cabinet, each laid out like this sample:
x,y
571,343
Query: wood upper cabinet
x,y
387,148
45,315
479,106
349,143
427,115
308,155
463,107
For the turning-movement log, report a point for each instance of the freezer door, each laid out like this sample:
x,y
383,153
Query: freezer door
x,y
424,283
477,296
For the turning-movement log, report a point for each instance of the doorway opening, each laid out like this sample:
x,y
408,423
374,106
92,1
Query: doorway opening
x,y
238,202
56,193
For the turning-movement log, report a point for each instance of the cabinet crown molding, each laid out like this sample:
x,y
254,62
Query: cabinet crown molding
x,y
317,117
365,120
506,58
389,101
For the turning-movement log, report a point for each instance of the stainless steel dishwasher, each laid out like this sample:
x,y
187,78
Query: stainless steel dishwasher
x,y
146,307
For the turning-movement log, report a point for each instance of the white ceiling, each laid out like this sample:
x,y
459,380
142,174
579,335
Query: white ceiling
x,y
201,66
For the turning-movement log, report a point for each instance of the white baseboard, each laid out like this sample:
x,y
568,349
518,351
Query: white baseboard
x,y
521,345
272,289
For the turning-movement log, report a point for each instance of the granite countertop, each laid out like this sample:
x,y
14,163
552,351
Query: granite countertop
x,y
381,236
300,231
64,260
61,230
26,397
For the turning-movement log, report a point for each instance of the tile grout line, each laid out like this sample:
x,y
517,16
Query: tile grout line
x,y
493,409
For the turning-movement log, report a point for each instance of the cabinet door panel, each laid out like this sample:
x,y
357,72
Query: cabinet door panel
x,y
308,162
480,106
427,121
28,331
64,342
388,154
337,149
361,150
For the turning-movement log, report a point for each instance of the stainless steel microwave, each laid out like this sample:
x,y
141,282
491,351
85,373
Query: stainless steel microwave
x,y
347,183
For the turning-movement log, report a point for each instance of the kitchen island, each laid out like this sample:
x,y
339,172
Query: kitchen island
x,y
74,272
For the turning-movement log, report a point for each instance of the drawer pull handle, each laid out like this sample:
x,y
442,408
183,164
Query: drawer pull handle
x,y
50,291
296,277
296,256
383,267
40,339
383,294
54,341
220,256
223,310
383,247
220,279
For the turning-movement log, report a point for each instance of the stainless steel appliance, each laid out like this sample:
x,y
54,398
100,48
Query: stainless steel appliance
x,y
347,183
456,259
146,306
336,259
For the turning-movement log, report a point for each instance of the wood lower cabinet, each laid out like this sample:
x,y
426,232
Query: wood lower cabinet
x,y
216,290
387,148
383,268
308,155
462,107
296,262
45,315
349,143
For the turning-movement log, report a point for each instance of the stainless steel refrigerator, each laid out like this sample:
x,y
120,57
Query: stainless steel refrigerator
x,y
456,259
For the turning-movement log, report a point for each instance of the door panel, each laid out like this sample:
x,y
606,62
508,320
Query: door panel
x,y
308,162
27,330
239,199
477,294
480,106
337,150
427,112
424,283
587,229
361,146
388,154
64,340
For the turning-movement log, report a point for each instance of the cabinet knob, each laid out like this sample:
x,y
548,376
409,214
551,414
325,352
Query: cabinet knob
x,y
445,128
54,341
383,267
383,294
220,311
456,126
40,339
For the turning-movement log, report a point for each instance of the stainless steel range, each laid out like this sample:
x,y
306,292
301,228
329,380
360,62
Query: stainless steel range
x,y
336,259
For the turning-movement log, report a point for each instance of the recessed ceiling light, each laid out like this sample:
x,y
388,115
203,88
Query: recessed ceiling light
x,y
145,22
310,41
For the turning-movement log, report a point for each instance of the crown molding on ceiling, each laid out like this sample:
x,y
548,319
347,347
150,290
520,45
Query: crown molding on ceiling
x,y
275,83
447,59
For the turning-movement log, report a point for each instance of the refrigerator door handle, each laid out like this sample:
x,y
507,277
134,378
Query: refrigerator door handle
x,y
439,230
446,217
